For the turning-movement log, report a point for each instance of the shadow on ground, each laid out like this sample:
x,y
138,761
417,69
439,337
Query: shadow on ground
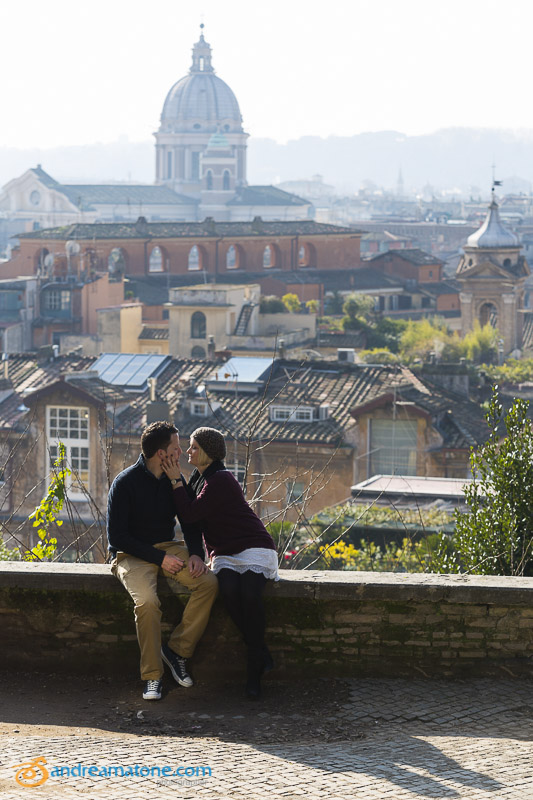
x,y
397,731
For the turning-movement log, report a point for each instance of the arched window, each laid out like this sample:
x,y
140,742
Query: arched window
x,y
198,325
306,255
226,180
198,352
232,257
156,260
209,179
269,257
507,262
116,262
232,261
194,258
488,313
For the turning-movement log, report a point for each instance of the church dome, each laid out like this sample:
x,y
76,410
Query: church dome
x,y
492,233
201,101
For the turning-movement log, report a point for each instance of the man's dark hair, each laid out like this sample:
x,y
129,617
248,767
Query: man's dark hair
x,y
156,436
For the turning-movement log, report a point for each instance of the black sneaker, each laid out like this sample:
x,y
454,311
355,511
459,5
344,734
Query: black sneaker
x,y
177,666
152,690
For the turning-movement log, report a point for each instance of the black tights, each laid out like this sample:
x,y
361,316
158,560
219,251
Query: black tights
x,y
243,597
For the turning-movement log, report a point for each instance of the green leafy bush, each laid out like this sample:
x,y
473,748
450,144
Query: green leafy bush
x,y
408,556
291,303
6,554
271,305
495,536
513,371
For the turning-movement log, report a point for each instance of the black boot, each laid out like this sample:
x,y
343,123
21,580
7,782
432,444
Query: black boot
x,y
268,661
254,670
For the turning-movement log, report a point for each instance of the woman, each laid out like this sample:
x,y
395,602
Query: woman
x,y
242,552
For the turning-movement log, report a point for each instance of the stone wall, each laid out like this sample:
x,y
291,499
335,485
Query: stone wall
x,y
78,618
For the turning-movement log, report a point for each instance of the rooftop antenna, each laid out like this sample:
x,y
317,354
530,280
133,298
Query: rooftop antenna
x,y
494,181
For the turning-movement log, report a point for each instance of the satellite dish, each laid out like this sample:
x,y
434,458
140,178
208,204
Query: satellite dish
x,y
49,260
72,248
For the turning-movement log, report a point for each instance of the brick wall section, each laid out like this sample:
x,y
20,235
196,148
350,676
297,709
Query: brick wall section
x,y
79,618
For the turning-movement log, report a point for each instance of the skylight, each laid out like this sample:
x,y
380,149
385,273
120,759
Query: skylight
x,y
131,371
241,374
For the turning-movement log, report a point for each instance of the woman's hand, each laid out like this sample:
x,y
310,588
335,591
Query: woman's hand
x,y
171,468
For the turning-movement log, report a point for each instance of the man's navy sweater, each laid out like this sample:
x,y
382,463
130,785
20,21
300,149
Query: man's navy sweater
x,y
141,513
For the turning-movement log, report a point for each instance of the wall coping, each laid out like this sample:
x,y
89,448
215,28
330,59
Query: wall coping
x,y
316,584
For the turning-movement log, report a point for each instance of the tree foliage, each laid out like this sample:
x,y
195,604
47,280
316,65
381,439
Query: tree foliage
x,y
417,339
333,303
291,302
513,371
271,305
386,333
379,355
495,535
45,516
481,344
357,308
422,337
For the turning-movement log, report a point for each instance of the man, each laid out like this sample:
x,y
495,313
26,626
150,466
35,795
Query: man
x,y
140,528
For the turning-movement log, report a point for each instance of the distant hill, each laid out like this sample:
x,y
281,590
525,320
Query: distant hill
x,y
114,161
446,159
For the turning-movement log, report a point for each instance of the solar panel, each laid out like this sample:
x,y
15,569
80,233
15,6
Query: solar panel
x,y
113,368
129,370
105,362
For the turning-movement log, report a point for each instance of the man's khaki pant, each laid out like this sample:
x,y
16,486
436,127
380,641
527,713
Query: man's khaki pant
x,y
140,579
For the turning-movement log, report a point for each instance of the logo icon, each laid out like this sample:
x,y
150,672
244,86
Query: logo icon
x,y
32,773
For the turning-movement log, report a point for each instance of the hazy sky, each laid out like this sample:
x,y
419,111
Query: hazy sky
x,y
77,72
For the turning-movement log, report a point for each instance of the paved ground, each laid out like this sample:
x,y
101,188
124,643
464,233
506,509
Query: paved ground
x,y
364,739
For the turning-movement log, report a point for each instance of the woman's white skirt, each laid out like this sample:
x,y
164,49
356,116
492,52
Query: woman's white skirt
x,y
256,559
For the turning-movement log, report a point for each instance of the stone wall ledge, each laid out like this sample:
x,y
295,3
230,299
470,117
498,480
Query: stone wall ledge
x,y
314,585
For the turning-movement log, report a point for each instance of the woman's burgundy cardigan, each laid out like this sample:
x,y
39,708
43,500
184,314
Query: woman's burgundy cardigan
x,y
215,500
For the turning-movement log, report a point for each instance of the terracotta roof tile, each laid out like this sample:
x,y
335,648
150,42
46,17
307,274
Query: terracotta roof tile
x,y
310,383
154,333
194,230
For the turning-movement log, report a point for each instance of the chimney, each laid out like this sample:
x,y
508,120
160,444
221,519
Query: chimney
x,y
141,226
5,359
209,226
211,348
156,410
281,349
257,225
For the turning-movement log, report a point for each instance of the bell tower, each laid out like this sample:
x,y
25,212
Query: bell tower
x,y
492,273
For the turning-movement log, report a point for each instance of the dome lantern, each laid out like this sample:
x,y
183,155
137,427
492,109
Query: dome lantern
x,y
201,55
492,233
